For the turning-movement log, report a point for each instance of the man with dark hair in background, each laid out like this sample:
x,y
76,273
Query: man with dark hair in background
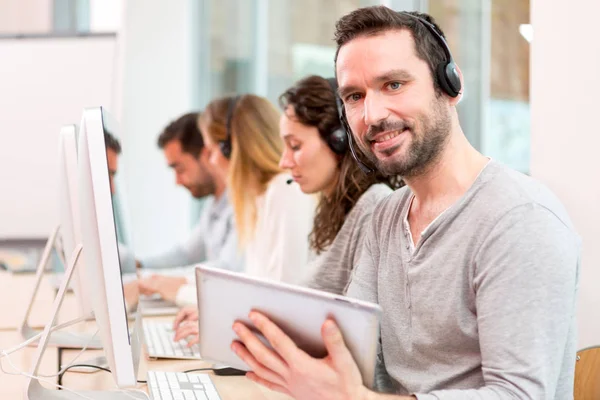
x,y
113,151
182,145
474,265
213,239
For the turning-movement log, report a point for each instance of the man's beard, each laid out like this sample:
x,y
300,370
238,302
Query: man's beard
x,y
425,147
200,191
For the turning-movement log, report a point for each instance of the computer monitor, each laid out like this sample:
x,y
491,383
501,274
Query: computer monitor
x,y
100,249
68,233
102,272
68,211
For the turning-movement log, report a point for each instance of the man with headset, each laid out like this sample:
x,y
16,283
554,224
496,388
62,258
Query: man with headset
x,y
213,239
475,266
184,151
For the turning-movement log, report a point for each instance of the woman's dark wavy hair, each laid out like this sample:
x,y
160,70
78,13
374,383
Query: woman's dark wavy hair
x,y
314,104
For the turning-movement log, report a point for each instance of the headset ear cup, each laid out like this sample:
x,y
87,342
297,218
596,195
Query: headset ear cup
x,y
453,78
338,141
225,148
225,145
448,79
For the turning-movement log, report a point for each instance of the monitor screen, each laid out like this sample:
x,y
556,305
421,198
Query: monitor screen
x,y
114,151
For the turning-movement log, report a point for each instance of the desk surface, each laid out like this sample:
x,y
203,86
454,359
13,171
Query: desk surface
x,y
16,290
11,387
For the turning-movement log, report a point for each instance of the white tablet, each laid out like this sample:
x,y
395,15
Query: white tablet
x,y
225,297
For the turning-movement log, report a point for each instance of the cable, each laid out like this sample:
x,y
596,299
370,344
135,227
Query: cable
x,y
86,366
109,371
8,352
199,369
19,372
61,386
74,359
18,347
65,370
40,378
221,371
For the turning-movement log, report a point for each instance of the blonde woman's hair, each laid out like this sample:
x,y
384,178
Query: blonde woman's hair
x,y
255,151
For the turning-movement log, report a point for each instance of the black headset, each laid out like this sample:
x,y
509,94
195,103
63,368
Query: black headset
x,y
337,140
445,72
344,130
225,145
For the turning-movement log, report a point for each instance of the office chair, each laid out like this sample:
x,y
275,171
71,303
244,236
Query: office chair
x,y
587,374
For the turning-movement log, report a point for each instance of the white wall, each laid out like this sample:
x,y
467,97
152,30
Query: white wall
x,y
105,15
565,142
25,16
44,84
158,48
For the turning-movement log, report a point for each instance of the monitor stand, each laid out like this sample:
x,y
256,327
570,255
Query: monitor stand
x,y
67,340
35,391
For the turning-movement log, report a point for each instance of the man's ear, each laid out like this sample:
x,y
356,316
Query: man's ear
x,y
203,155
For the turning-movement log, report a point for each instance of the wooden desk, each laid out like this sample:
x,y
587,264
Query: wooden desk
x,y
15,291
12,387
229,387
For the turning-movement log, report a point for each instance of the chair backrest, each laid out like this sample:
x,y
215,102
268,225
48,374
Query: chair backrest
x,y
587,374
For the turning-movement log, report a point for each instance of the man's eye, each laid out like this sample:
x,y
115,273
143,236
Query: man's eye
x,y
353,97
394,85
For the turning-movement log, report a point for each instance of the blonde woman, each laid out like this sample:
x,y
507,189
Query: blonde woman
x,y
273,218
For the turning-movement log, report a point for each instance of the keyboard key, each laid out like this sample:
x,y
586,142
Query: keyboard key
x,y
200,395
180,386
182,377
211,392
163,385
159,342
188,395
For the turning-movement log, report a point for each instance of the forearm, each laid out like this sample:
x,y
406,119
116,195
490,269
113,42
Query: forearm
x,y
186,295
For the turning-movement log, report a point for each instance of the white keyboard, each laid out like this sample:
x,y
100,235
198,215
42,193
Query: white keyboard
x,y
180,386
159,342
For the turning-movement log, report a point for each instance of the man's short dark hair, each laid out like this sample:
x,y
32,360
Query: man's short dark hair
x,y
112,142
370,21
185,130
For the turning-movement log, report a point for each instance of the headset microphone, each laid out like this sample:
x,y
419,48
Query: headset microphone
x,y
345,128
289,181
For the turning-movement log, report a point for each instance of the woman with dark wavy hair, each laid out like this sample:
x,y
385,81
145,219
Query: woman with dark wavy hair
x,y
317,154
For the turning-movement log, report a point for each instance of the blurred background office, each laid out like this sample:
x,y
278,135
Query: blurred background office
x,y
149,61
